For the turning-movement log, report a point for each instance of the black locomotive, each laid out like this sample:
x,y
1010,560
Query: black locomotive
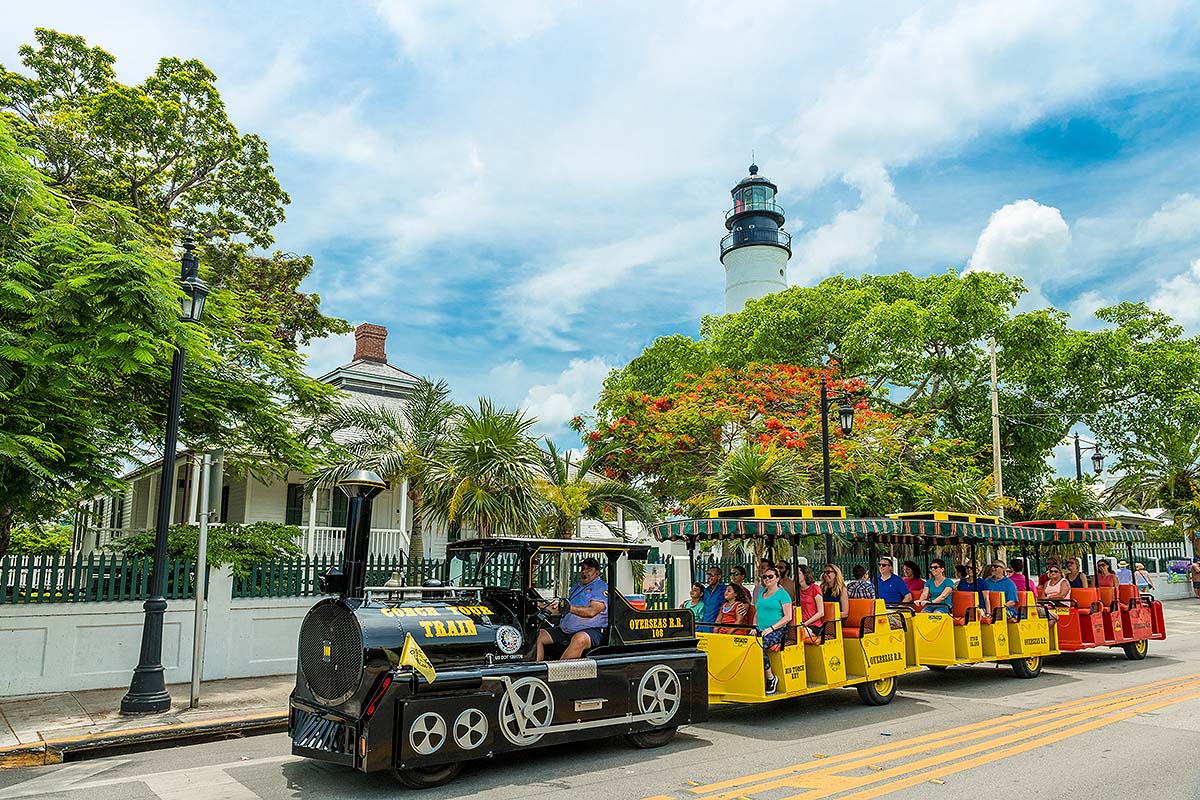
x,y
364,695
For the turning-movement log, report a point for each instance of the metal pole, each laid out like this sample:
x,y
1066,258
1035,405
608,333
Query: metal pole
x,y
825,443
201,575
1078,460
871,568
999,481
148,689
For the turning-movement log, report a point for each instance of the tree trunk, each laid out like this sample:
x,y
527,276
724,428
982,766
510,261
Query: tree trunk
x,y
6,518
416,542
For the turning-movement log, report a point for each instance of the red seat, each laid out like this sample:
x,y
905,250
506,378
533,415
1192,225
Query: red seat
x,y
860,616
965,608
1086,599
996,600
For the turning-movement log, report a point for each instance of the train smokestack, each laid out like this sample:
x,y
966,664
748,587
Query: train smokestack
x,y
361,486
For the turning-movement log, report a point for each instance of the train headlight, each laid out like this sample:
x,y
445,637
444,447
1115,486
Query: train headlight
x,y
509,640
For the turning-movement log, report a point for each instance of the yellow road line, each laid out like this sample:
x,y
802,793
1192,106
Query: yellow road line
x,y
988,750
941,737
905,783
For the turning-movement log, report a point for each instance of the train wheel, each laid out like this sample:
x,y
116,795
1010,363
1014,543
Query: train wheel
x,y
650,739
877,693
427,777
1027,667
1136,651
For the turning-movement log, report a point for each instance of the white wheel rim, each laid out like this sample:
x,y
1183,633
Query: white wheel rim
x,y
470,729
535,703
427,734
659,694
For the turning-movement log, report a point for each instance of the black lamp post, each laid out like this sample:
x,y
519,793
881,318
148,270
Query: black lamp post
x,y
1097,458
846,420
148,689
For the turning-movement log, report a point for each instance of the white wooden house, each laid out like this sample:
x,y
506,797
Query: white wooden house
x,y
243,498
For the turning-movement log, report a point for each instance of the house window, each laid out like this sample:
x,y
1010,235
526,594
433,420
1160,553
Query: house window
x,y
341,508
224,504
117,513
293,513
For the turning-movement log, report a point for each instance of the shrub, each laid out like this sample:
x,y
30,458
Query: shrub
x,y
53,540
239,546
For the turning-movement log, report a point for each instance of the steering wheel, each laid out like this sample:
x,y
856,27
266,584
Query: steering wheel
x,y
550,610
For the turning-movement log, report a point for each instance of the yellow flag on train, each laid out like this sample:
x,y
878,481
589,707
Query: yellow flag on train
x,y
413,656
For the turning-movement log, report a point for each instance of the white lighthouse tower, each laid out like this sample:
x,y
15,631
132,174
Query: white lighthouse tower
x,y
756,250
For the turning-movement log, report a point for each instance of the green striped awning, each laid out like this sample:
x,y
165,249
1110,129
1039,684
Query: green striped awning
x,y
881,530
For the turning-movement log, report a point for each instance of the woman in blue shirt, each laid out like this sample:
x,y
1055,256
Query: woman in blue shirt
x,y
938,593
773,613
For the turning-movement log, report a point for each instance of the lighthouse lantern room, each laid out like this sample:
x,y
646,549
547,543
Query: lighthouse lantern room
x,y
756,250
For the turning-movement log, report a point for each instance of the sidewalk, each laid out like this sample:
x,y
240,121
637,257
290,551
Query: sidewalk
x,y
38,730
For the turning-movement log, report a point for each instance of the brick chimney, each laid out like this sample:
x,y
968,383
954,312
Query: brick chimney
x,y
369,341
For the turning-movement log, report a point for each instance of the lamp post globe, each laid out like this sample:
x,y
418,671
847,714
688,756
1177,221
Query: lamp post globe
x,y
1097,462
148,689
846,416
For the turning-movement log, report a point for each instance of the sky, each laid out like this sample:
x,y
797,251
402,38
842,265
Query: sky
x,y
527,194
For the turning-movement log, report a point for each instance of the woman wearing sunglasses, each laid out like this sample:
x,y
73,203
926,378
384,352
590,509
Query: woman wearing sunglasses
x,y
773,613
833,588
938,593
1056,587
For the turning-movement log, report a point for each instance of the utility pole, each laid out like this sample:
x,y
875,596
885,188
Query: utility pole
x,y
996,432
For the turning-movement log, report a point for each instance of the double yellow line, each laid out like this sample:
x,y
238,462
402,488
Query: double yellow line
x,y
955,750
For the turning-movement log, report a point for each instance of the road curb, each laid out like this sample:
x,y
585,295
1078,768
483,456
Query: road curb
x,y
55,751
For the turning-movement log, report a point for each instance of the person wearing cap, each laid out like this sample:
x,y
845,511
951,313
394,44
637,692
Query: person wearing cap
x,y
1124,574
584,618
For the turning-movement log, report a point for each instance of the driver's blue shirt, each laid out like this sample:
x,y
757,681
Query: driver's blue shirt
x,y
581,595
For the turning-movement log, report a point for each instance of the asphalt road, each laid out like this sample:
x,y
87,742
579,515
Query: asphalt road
x,y
1092,724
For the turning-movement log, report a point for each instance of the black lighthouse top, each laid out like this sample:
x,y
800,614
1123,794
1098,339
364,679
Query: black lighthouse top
x,y
755,219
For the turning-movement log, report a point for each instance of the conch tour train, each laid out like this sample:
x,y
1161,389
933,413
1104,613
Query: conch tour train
x,y
532,642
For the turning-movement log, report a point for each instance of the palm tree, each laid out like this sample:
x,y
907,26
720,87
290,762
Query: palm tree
x,y
398,443
487,475
577,491
1161,468
754,476
1067,498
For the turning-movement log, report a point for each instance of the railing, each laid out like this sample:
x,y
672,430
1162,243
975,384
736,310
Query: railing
x,y
766,206
749,236
95,577
1155,555
319,541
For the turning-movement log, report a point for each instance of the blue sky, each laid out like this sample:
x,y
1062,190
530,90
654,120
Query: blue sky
x,y
527,194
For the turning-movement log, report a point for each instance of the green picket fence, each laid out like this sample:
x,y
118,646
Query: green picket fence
x,y
96,577
300,576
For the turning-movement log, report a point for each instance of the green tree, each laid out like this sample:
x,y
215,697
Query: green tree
x,y
487,475
404,443
1068,498
757,475
88,317
580,490
1160,468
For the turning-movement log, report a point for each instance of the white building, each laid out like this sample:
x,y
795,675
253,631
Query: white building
x,y
756,250
242,498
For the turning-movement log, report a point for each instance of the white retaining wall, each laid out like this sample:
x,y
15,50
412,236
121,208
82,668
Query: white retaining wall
x,y
57,647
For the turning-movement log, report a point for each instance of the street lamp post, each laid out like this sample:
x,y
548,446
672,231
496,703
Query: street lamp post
x,y
148,689
1097,458
846,421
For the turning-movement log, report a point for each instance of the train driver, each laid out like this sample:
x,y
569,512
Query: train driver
x,y
584,620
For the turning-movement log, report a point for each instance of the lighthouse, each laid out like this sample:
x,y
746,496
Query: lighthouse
x,y
756,250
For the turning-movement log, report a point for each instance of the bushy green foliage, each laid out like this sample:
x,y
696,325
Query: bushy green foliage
x,y
52,540
239,546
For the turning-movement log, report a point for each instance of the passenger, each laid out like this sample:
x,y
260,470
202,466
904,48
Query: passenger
x,y
812,605
1142,578
1052,561
714,595
772,615
1077,579
695,601
737,611
1124,574
890,587
764,564
911,572
1017,565
833,589
585,617
737,575
1056,587
860,588
999,582
1104,574
960,572
786,583
938,592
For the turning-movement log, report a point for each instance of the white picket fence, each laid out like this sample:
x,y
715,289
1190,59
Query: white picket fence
x,y
316,541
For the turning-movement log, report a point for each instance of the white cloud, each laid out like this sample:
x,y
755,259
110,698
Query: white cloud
x,y
1028,239
443,30
1084,307
851,241
573,392
324,355
1178,220
1179,296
